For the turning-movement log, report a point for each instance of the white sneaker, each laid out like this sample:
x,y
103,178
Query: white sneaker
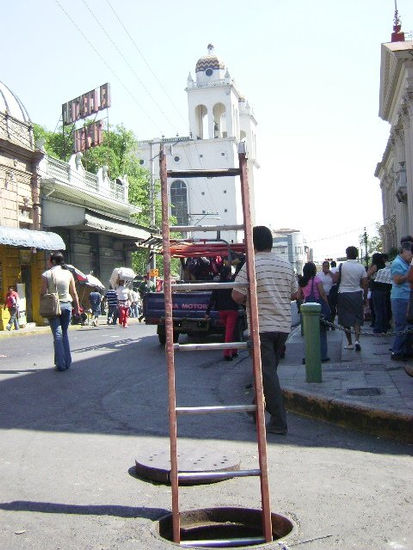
x,y
349,346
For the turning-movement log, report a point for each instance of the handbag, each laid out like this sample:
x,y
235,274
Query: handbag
x,y
49,302
325,308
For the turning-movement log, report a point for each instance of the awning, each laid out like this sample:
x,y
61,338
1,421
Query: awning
x,y
117,228
28,238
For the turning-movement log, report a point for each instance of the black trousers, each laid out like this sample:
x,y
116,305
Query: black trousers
x,y
272,345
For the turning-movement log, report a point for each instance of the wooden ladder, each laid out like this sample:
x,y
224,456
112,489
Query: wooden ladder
x,y
254,345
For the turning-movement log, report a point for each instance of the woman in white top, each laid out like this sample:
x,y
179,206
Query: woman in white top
x,y
59,279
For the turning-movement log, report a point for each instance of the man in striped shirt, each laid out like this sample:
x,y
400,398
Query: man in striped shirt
x,y
276,287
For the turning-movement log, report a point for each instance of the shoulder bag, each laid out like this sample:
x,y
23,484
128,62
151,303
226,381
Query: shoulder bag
x,y
49,302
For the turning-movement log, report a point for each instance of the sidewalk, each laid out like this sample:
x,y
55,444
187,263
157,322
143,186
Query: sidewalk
x,y
362,390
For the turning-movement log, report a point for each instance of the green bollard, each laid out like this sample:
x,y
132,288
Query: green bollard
x,y
311,321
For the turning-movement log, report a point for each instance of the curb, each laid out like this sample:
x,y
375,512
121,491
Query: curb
x,y
382,423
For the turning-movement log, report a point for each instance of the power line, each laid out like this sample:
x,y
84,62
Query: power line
x,y
127,63
105,63
145,61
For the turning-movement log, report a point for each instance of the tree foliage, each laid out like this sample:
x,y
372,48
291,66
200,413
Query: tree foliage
x,y
119,152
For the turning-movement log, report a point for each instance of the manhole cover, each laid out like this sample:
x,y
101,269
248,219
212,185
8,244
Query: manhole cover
x,y
363,391
155,465
228,526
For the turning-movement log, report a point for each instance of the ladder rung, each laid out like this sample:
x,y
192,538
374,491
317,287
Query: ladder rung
x,y
213,474
184,228
211,347
208,286
223,543
216,409
218,173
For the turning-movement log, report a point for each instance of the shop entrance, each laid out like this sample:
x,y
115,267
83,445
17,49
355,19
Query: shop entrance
x,y
26,273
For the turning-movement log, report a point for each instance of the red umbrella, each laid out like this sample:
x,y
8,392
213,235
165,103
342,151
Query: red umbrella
x,y
77,274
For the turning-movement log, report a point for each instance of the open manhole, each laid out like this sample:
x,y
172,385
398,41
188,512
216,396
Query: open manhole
x,y
232,527
363,391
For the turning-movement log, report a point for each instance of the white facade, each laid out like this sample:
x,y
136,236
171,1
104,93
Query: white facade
x,y
289,243
395,171
219,118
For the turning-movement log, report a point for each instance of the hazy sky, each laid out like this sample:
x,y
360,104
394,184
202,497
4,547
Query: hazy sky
x,y
310,69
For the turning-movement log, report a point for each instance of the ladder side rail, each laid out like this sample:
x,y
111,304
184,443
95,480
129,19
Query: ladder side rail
x,y
169,350
256,350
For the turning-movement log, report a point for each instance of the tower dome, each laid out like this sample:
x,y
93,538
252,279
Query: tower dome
x,y
209,68
11,105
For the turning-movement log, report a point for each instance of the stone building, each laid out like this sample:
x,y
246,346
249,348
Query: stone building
x,y
395,170
22,244
91,213
219,118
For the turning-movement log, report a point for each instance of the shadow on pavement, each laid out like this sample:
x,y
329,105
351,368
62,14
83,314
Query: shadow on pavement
x,y
122,390
84,510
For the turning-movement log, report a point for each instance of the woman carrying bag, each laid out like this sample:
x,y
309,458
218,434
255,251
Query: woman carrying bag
x,y
60,280
311,290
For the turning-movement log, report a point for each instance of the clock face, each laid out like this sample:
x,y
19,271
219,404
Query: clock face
x,y
209,72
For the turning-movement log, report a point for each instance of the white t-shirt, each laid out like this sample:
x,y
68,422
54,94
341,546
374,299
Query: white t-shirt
x,y
352,272
58,280
123,295
326,280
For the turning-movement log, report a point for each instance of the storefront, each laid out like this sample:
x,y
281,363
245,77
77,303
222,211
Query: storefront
x,y
23,258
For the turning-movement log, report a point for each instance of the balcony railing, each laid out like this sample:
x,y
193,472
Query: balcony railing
x,y
76,176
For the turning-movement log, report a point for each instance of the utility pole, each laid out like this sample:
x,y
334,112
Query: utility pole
x,y
152,258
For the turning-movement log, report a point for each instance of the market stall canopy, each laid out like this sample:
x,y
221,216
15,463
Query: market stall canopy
x,y
91,280
29,238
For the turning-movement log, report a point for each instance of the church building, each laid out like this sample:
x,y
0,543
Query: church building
x,y
220,118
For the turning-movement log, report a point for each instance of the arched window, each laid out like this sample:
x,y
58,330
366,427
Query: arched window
x,y
220,121
201,113
179,202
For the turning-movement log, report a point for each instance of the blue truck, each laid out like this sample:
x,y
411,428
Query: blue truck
x,y
188,312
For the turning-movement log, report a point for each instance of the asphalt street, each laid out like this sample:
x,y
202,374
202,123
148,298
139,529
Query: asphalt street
x,y
69,441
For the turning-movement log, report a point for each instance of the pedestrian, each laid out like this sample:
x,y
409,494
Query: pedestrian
x,y
311,290
326,277
333,294
352,295
59,279
276,287
377,263
11,302
112,300
124,301
134,304
222,302
95,299
400,294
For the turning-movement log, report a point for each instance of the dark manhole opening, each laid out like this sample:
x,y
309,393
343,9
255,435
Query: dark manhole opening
x,y
364,391
241,526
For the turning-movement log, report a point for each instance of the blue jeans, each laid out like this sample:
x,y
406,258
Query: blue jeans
x,y
13,319
401,341
59,326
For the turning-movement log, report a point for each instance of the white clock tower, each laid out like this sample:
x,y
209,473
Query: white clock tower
x,y
219,118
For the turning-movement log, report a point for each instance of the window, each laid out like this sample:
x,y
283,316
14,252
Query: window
x,y
179,202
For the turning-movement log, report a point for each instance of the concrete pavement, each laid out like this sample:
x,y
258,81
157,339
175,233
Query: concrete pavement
x,y
363,390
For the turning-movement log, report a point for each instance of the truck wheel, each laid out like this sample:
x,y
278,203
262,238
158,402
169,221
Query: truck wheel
x,y
161,335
